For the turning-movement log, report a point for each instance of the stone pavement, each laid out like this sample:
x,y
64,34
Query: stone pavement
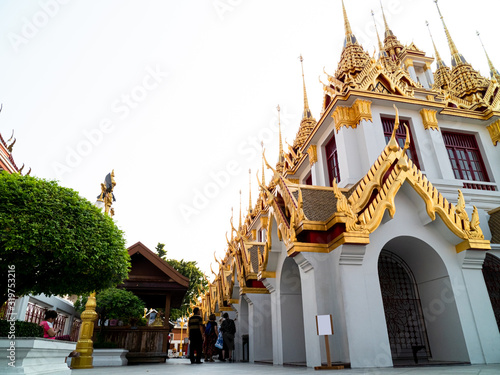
x,y
183,367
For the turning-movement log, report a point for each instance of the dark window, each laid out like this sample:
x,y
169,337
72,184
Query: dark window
x,y
465,157
332,161
309,179
388,125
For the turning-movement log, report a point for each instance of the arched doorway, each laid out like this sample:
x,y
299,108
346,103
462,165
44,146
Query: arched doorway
x,y
491,274
292,317
403,311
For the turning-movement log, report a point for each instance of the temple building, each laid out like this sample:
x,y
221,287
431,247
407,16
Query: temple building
x,y
384,214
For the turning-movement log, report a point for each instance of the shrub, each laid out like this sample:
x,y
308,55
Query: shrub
x,y
21,329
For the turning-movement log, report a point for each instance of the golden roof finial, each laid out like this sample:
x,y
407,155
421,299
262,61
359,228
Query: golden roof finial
x,y
263,174
439,61
493,71
380,45
307,111
239,225
249,191
232,238
347,26
281,161
279,130
456,57
387,30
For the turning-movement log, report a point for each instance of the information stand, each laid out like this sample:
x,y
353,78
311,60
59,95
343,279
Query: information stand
x,y
324,327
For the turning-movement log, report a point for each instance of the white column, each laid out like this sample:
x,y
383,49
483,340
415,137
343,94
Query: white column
x,y
487,350
270,284
21,307
310,310
259,327
364,311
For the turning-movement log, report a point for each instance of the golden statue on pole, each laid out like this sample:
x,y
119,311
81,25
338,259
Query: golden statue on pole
x,y
85,345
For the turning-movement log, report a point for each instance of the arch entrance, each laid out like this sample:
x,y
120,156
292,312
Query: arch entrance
x,y
403,310
292,317
423,323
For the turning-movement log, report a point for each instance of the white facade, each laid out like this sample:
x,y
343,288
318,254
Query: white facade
x,y
392,250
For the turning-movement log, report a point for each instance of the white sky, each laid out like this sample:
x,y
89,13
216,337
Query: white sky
x,y
203,79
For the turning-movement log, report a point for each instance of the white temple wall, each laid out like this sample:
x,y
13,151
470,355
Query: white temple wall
x,y
259,327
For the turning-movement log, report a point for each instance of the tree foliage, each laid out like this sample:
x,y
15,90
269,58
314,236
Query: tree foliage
x,y
114,303
197,283
160,250
58,242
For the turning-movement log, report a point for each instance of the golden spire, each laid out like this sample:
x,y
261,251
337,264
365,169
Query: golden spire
x,y
232,227
380,45
353,58
249,191
456,57
263,174
439,61
239,225
493,71
307,111
308,122
347,26
391,44
280,166
387,30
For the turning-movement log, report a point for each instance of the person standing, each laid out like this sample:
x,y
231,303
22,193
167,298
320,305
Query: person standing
x,y
228,329
195,326
211,334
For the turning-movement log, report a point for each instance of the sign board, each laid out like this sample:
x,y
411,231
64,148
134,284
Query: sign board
x,y
324,325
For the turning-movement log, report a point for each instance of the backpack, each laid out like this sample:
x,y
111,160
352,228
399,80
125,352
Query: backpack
x,y
209,328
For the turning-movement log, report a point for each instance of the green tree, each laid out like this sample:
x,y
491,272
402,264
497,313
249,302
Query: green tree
x,y
160,250
55,241
197,284
114,303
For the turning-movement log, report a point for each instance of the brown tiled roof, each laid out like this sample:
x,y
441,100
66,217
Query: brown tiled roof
x,y
494,224
319,205
254,252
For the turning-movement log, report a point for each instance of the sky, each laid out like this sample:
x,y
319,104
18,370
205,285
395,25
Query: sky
x,y
176,96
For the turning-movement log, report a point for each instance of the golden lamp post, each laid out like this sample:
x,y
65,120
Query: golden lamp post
x,y
85,345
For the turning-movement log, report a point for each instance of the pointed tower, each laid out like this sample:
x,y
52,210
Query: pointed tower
x,y
308,122
493,72
280,165
442,75
388,63
466,83
250,192
353,58
391,44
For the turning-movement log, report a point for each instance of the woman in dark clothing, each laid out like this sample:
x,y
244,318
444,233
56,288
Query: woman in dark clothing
x,y
228,329
211,334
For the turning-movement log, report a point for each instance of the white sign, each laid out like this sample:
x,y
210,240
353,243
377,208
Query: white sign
x,y
324,324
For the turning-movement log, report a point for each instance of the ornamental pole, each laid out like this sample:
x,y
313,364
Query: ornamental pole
x,y
85,345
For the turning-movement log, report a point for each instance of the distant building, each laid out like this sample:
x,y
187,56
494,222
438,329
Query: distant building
x,y
385,213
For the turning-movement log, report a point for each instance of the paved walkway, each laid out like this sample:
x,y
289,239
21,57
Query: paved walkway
x,y
183,367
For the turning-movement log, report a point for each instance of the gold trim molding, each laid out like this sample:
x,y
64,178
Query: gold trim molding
x,y
473,244
352,116
313,154
494,129
429,118
408,62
